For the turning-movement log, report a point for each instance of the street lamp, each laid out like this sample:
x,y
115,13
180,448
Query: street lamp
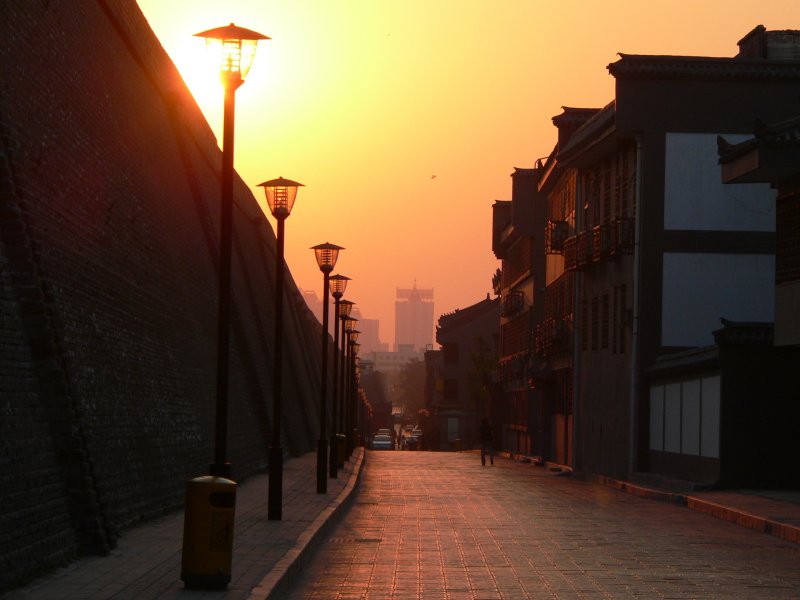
x,y
237,47
349,326
338,285
326,255
345,306
281,194
352,336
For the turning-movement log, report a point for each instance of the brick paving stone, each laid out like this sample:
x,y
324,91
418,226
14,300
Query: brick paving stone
x,y
439,525
147,561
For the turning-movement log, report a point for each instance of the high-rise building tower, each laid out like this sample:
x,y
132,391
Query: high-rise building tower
x,y
413,318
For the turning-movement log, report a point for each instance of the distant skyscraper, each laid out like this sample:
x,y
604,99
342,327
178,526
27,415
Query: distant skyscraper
x,y
313,302
413,317
369,338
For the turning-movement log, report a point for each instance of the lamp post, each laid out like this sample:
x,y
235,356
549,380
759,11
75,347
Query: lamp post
x,y
349,326
345,306
237,47
281,194
338,285
352,336
326,255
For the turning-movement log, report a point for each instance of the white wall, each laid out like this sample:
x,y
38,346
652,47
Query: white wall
x,y
695,197
684,417
698,289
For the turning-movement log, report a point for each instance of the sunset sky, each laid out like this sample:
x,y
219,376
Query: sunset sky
x,y
405,119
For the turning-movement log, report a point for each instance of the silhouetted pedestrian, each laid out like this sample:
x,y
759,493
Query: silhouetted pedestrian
x,y
485,435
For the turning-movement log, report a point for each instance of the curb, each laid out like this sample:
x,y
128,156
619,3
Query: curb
x,y
784,531
278,581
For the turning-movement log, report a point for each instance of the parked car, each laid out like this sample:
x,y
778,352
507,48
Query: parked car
x,y
382,441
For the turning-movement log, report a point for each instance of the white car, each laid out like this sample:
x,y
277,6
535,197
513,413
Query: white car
x,y
382,442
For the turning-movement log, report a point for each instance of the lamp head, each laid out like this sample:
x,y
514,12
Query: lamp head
x,y
338,285
235,47
281,194
326,255
350,324
345,306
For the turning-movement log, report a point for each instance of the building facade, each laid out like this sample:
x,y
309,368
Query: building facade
x,y
458,376
524,418
646,251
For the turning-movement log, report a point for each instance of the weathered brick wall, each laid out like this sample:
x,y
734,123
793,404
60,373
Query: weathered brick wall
x,y
109,204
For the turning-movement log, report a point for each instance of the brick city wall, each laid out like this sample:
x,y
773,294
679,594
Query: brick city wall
x,y
109,203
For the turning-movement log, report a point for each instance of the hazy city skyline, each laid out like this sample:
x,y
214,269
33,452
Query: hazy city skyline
x,y
405,121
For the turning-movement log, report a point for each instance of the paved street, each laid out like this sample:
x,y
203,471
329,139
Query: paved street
x,y
439,525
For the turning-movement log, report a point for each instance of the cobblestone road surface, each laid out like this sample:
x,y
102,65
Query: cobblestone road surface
x,y
441,526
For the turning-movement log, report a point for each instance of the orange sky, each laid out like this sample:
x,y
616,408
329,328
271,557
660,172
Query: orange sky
x,y
366,101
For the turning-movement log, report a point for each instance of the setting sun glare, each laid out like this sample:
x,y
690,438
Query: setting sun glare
x,y
405,120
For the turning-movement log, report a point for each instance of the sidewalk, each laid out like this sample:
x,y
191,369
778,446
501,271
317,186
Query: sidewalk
x,y
776,512
773,512
266,554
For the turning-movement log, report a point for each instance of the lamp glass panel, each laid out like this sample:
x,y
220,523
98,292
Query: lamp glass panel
x,y
247,56
280,199
326,257
345,306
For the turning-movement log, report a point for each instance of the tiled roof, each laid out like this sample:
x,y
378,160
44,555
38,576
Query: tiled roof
x,y
634,66
747,334
574,115
596,125
461,315
780,135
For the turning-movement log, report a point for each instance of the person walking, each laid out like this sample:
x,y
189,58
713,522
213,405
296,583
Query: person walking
x,y
485,435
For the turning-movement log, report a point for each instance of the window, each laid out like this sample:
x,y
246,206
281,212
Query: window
x,y
595,322
604,323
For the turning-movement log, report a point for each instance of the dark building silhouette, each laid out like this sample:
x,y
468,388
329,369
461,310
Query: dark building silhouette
x,y
109,226
413,318
458,376
646,251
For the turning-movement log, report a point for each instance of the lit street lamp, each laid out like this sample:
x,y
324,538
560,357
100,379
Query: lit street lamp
x,y
281,194
345,306
352,347
326,255
237,47
338,285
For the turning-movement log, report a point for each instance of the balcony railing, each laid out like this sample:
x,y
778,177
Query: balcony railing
x,y
513,303
552,337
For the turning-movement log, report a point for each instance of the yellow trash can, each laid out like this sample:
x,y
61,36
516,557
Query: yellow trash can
x,y
208,532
